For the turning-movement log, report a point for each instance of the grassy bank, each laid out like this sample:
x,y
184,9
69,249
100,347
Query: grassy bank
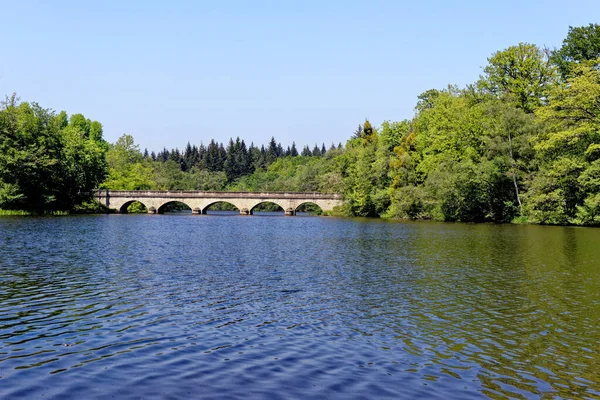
x,y
26,213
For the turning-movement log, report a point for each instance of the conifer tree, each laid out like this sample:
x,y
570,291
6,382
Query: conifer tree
x,y
316,151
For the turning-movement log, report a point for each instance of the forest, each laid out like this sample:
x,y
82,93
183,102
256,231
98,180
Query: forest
x,y
521,144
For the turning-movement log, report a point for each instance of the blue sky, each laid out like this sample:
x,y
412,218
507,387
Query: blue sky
x,y
304,71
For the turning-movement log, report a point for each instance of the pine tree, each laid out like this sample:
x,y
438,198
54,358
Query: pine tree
x,y
316,151
186,163
212,157
201,156
165,155
358,133
272,152
293,150
222,157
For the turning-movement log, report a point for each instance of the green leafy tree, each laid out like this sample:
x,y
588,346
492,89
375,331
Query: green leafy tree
x,y
127,170
520,74
568,149
581,44
47,162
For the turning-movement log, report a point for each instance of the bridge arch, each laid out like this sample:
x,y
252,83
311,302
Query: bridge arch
x,y
264,202
161,208
124,207
309,206
204,209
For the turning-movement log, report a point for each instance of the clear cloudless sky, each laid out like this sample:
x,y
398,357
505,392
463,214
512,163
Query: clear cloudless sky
x,y
305,71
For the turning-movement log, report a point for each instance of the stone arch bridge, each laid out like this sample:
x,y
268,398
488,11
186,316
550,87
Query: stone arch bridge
x,y
156,200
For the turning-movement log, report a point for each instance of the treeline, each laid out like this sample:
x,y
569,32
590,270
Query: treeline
x,y
522,143
237,159
216,167
48,161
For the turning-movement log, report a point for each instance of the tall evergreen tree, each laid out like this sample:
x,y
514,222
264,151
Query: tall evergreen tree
x,y
293,150
316,151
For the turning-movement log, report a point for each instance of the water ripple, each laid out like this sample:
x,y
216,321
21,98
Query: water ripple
x,y
232,307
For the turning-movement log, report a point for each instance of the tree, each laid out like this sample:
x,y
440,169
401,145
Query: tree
x,y
83,161
508,135
213,159
520,74
47,162
358,133
569,149
272,151
367,130
293,150
581,44
127,170
450,129
29,155
238,162
426,99
316,151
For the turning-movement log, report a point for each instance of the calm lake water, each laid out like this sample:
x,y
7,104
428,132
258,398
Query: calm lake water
x,y
182,306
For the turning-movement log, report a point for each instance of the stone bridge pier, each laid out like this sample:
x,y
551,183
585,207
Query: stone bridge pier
x,y
199,201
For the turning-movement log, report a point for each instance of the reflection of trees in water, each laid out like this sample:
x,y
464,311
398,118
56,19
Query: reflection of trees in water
x,y
509,293
511,306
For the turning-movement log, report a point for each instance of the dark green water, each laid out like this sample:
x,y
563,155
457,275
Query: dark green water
x,y
182,306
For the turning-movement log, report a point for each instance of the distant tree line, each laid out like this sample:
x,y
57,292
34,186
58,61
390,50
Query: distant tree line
x,y
237,159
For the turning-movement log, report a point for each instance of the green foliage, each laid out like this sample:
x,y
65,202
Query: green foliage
x,y
581,44
136,208
47,162
12,213
392,133
565,187
522,144
520,74
408,202
450,128
127,170
90,206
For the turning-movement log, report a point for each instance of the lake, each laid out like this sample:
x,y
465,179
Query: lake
x,y
274,307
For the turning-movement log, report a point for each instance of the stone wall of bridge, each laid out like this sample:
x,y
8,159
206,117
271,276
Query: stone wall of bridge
x,y
199,202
